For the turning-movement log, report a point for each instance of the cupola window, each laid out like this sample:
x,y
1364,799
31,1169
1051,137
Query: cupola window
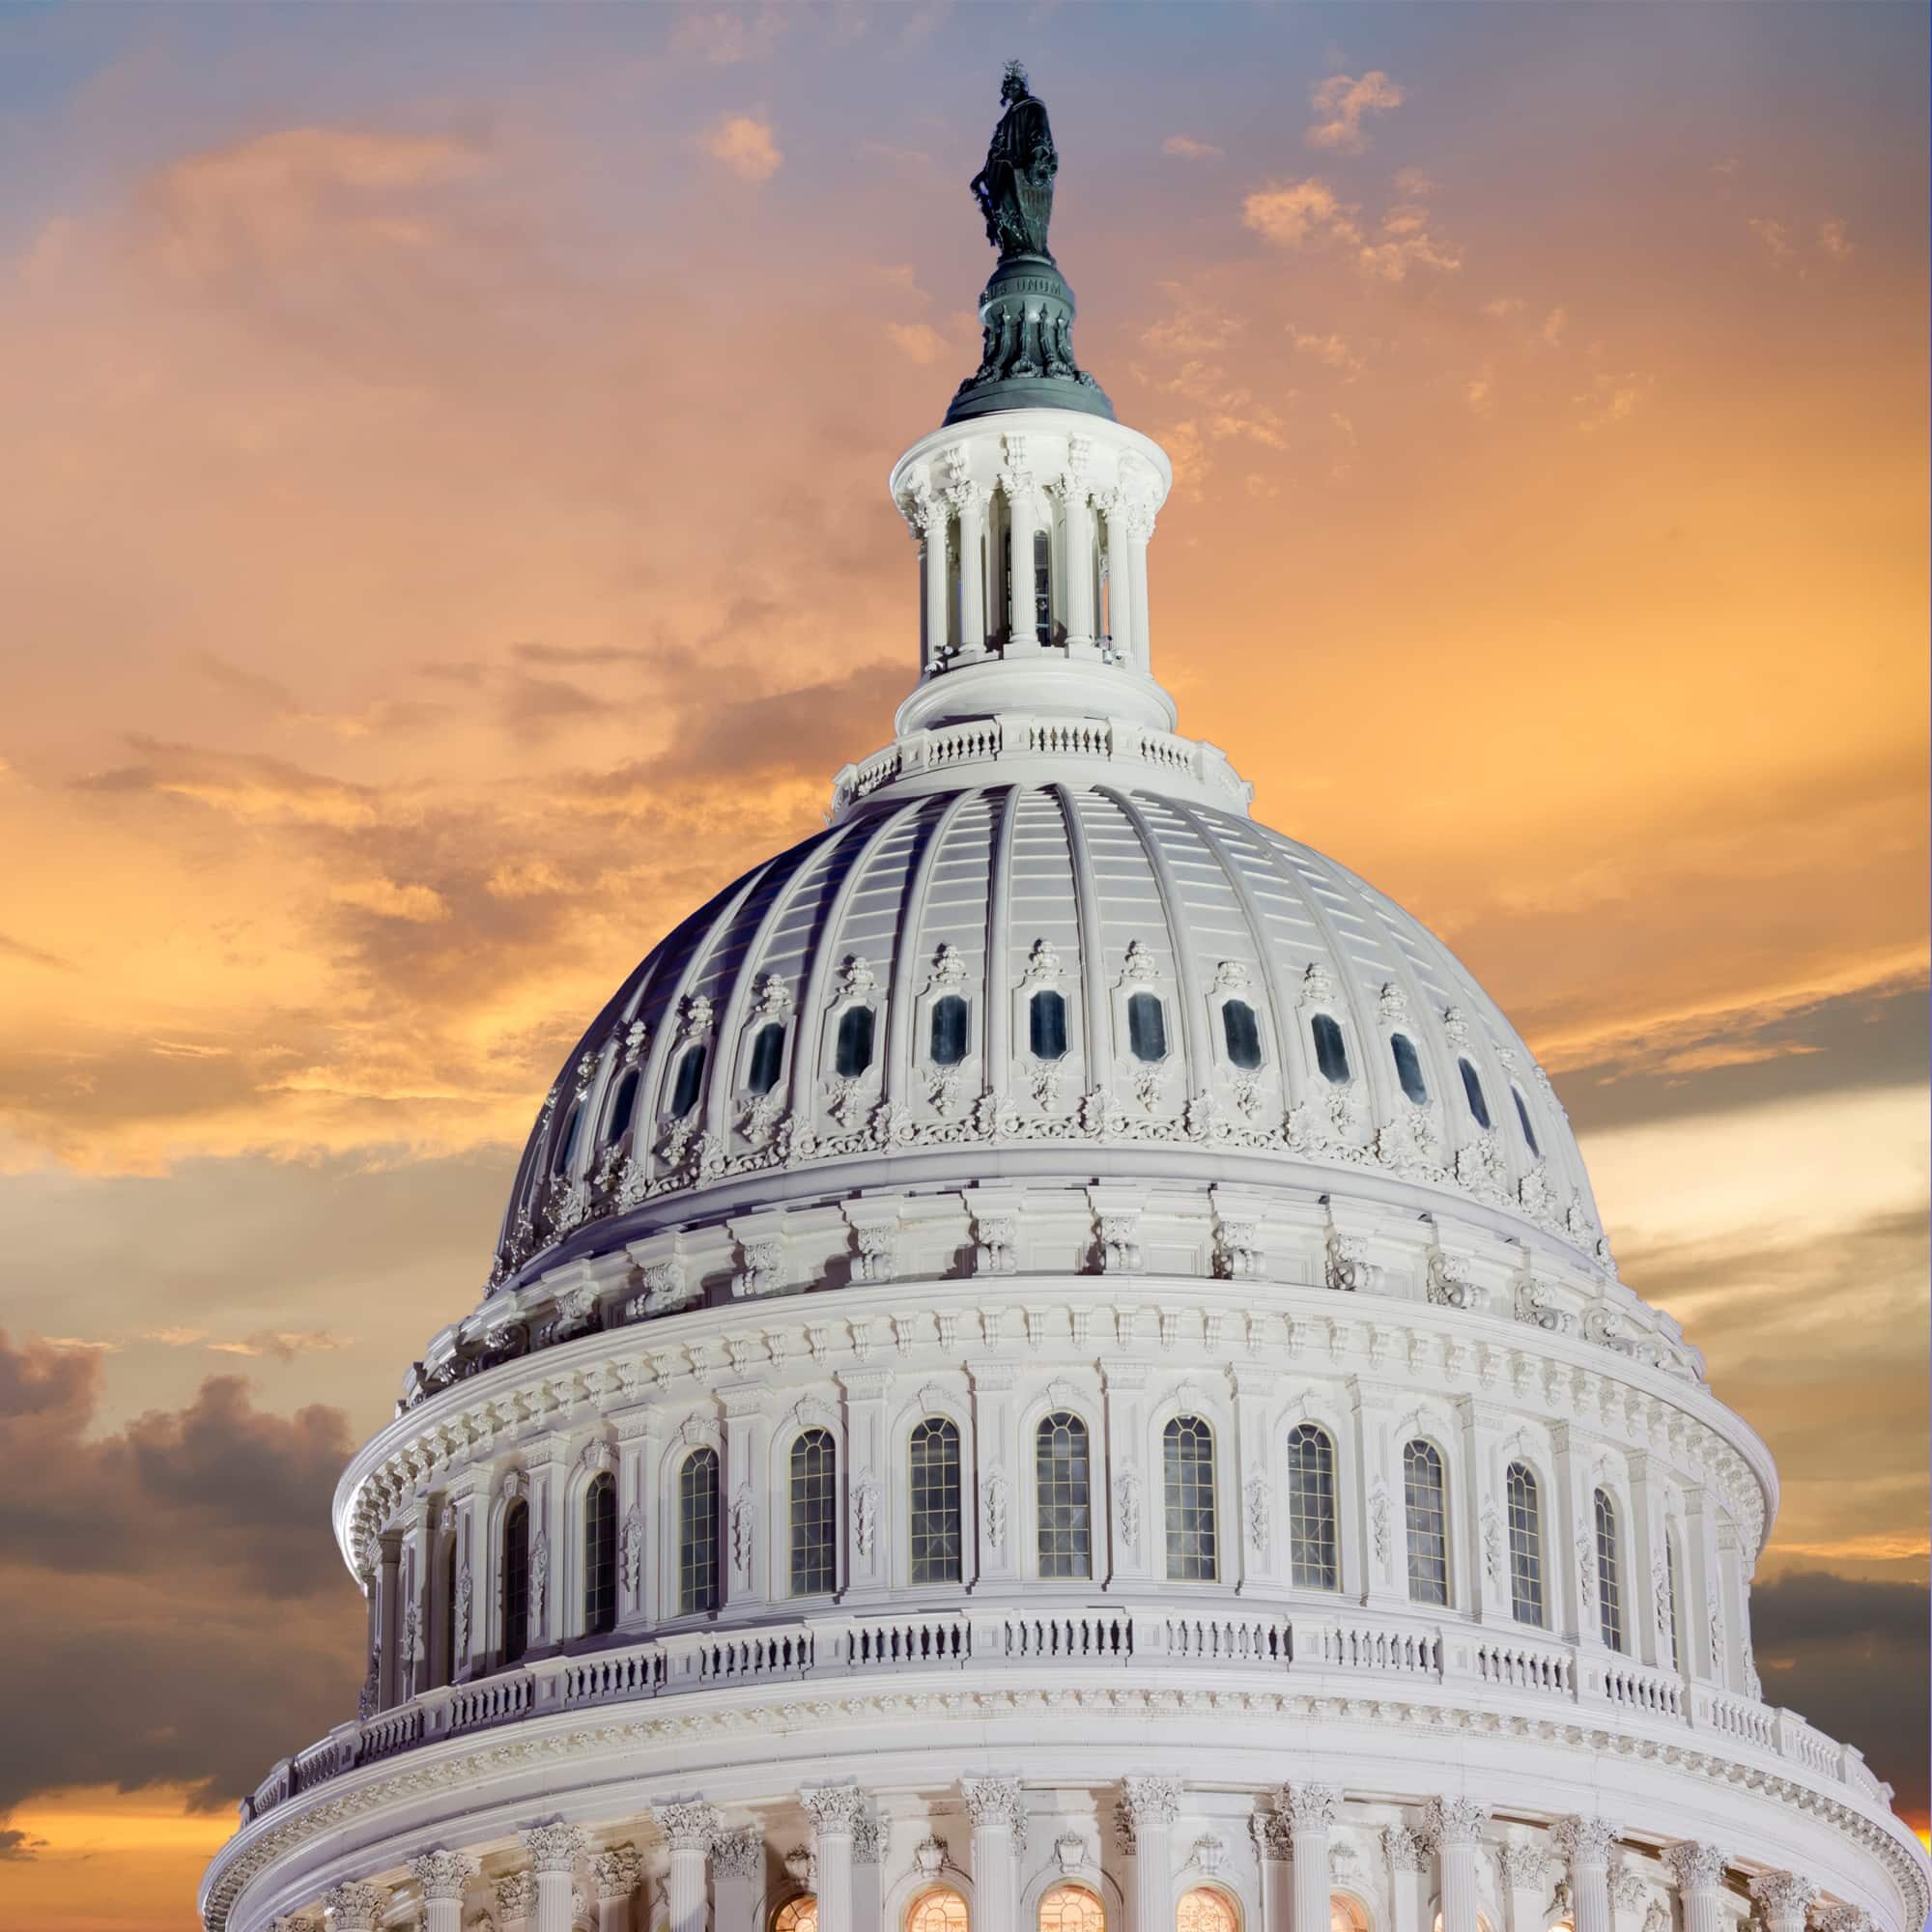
x,y
600,1555
566,1142
450,1660
697,1533
1146,1026
1310,1509
1188,1454
516,1582
623,1105
1670,1596
1046,1025
948,1031
1526,1541
1408,1069
814,1514
690,1078
1472,1087
934,1483
1609,1583
1242,1032
1427,1523
1528,1132
1062,1495
1331,1050
768,1052
855,1042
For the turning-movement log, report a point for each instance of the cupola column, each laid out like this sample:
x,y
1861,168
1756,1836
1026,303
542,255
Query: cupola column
x,y
999,1817
834,1810
934,520
1454,1825
688,1830
1147,1809
554,1850
868,1852
1120,578
1699,1872
1140,527
614,1875
1079,514
737,1877
970,500
441,1877
1586,1843
1310,1810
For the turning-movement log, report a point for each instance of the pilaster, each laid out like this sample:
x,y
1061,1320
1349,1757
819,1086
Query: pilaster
x,y
745,1571
1131,1511
1145,1816
834,1810
1310,1810
614,1875
1257,1569
738,1877
868,1486
1002,1468
997,1809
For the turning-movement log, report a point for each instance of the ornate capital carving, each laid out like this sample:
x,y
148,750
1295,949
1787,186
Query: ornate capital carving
x,y
1406,1849
739,1855
1523,1865
688,1828
1697,1867
1269,1832
553,1848
517,1896
358,1907
1308,1808
442,1874
869,1840
1454,1821
1783,1894
834,1808
1842,1919
1627,1888
616,1872
1147,1803
995,1801
1585,1841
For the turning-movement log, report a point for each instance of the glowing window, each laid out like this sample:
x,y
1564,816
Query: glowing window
x,y
933,1481
1071,1908
690,1078
1146,1028
942,1911
855,1042
814,1514
1046,1025
948,1031
797,1914
1062,1481
1310,1509
1427,1523
1242,1032
1408,1069
600,1555
1331,1050
623,1105
768,1052
1205,1910
1472,1087
1609,1583
516,1582
1345,1914
1525,1540
1188,1447
698,1532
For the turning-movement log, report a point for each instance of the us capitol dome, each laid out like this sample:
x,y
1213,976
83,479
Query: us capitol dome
x,y
1051,1366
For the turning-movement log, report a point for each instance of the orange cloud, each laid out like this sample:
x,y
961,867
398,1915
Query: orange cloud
x,y
746,146
1344,103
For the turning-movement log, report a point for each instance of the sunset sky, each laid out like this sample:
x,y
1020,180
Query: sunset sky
x,y
444,537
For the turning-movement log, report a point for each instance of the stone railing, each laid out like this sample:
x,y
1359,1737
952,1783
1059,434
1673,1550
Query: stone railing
x,y
1360,1649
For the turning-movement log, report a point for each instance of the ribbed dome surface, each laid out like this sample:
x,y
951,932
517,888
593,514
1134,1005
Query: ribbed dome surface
x,y
738,1047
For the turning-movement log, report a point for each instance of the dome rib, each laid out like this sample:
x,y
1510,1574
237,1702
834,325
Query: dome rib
x,y
901,1048
1096,1031
998,967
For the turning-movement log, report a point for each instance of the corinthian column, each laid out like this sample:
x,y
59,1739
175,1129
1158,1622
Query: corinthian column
x,y
1310,1809
1120,578
554,1850
1784,1897
1022,586
1454,1825
1586,1843
1079,565
1699,1872
970,498
355,1908
615,1873
1140,527
1145,1818
834,1810
441,1875
1269,1832
934,519
1523,1870
516,1900
999,1827
868,1852
1407,1852
688,1830
737,1873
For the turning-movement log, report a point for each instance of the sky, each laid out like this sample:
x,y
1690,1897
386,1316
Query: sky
x,y
443,538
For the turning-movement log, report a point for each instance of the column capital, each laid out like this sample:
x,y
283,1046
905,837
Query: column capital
x,y
833,1808
1269,1832
615,1873
739,1853
356,1907
442,1874
516,1895
1147,1803
1842,1919
553,1847
1585,1841
1697,1867
1308,1808
1782,1891
1523,1864
689,1826
1405,1848
1454,1821
869,1840
994,1802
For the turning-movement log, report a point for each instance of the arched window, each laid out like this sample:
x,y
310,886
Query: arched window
x,y
814,1514
1146,1026
516,1580
798,1913
1331,1050
566,1142
1528,1132
1525,1540
854,1052
1409,1069
1242,1032
623,1105
697,1533
1609,1583
690,1078
1310,1509
1427,1523
1046,1025
1472,1087
450,1659
1345,1914
948,1031
1670,1596
768,1052
600,1555
1063,1496
1187,1446
939,1911
1205,1909
932,1480
1071,1908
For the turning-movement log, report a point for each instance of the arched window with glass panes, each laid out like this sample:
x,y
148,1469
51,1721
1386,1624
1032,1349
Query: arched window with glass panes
x,y
940,1910
1187,1458
1610,1572
798,1913
516,1600
814,1514
1310,1509
932,1487
1425,1522
600,1554
1525,1503
698,1532
1071,1907
1063,1496
1206,1908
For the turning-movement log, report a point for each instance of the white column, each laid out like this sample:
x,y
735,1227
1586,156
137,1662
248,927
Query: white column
x,y
358,1907
412,1622
868,1852
1454,1825
1699,1872
1523,1873
935,523
737,1878
971,502
1269,1832
1079,567
999,1818
615,1874
1784,1897
1023,587
1586,1843
1310,1810
1407,1853
689,1831
554,1850
748,1430
1147,1809
1140,528
1120,579
834,1809
442,1876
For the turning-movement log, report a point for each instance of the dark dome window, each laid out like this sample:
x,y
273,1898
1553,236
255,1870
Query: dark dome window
x,y
1146,1028
622,1106
566,1143
1243,1034
1331,1050
1046,1026
1408,1069
1528,1132
1472,1086
690,1078
948,1031
768,1047
855,1042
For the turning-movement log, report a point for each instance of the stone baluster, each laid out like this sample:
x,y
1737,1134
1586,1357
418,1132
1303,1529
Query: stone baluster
x,y
1407,1853
554,1850
615,1873
834,1810
689,1831
1784,1897
1454,1825
868,1853
1269,1832
1522,1873
999,1829
1586,1843
1310,1810
1699,1872
516,1901
1145,1818
356,1907
441,1875
970,500
737,1877
1120,578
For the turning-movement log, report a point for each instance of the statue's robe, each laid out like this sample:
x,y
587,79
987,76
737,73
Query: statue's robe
x,y
1022,137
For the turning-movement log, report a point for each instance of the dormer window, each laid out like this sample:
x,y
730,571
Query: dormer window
x,y
1331,1050
1408,1069
1046,1025
855,1042
768,1046
1146,1028
1243,1032
1472,1086
623,1105
690,1078
948,1031
1528,1132
566,1143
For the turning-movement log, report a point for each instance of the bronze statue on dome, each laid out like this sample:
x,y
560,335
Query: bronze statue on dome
x,y
1014,189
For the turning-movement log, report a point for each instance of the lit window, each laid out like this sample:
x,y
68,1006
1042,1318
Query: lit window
x,y
768,1052
1242,1032
1525,1539
1610,1584
1345,1914
1428,1524
1310,1509
1408,1069
1528,1132
600,1555
1046,1025
1064,1496
1188,1445
516,1582
1472,1086
855,1042
697,1533
690,1078
797,1914
814,1514
1331,1050
942,1911
1071,1908
1146,1028
1205,1910
948,1031
1670,1598
566,1142
933,1479
623,1105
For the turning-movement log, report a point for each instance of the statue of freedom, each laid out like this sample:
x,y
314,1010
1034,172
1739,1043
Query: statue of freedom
x,y
1014,189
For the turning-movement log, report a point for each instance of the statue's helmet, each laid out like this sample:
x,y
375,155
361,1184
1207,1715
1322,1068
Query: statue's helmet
x,y
1013,87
